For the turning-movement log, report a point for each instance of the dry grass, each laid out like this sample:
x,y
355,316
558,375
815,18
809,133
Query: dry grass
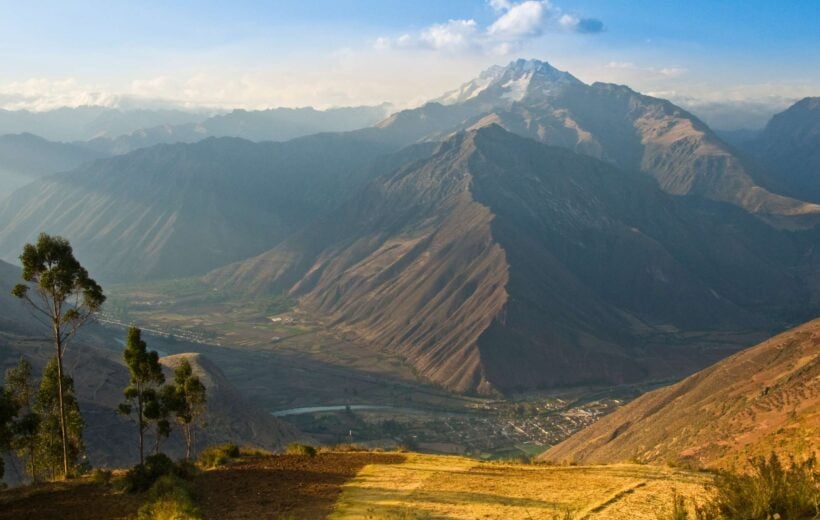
x,y
431,486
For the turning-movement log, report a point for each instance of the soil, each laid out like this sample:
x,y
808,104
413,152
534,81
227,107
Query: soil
x,y
283,486
72,500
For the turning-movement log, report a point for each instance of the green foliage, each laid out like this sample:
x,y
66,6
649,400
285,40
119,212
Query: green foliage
x,y
169,498
65,299
19,384
141,394
771,490
190,397
142,476
218,455
8,412
300,449
49,448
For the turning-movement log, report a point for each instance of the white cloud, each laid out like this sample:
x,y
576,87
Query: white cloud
x,y
620,65
453,35
520,20
514,25
673,72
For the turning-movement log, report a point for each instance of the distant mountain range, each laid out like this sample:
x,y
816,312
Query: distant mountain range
x,y
789,150
761,400
278,124
179,210
88,122
26,157
526,230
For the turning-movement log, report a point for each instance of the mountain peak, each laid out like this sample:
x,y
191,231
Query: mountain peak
x,y
502,85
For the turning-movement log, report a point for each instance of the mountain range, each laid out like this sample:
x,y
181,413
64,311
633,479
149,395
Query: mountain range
x,y
454,261
764,399
789,149
26,157
523,231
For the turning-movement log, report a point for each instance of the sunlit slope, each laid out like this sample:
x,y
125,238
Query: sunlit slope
x,y
431,486
764,399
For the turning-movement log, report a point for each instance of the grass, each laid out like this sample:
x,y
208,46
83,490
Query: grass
x,y
432,486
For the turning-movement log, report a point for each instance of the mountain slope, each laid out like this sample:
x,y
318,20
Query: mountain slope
x,y
25,157
179,210
610,122
789,148
761,399
456,260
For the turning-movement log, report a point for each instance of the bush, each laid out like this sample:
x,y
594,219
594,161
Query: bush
x,y
143,476
218,455
769,490
301,449
101,477
170,498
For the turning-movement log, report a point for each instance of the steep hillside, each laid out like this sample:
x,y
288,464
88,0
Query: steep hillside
x,y
229,415
455,261
763,399
789,148
610,122
25,157
180,210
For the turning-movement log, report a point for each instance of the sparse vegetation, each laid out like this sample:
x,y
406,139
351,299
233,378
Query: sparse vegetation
x,y
219,455
301,449
771,489
170,498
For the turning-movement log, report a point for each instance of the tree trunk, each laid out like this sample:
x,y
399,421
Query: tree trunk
x,y
63,430
141,424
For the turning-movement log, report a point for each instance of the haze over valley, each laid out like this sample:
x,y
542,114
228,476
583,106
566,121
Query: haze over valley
x,y
606,276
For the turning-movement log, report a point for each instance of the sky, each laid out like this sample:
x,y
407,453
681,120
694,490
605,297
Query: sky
x,y
734,63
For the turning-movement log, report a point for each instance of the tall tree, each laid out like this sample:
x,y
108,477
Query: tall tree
x,y
191,398
20,385
64,298
51,451
146,376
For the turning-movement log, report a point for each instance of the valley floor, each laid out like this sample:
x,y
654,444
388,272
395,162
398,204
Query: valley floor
x,y
360,485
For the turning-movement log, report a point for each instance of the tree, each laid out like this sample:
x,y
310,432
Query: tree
x,y
52,454
20,386
8,412
64,298
146,377
191,397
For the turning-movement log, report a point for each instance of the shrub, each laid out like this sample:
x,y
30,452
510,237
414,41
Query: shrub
x,y
769,490
170,498
300,449
218,455
142,476
101,477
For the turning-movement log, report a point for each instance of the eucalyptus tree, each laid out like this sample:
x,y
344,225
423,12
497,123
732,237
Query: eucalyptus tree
x,y
63,297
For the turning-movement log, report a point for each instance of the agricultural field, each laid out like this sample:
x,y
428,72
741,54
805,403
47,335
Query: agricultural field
x,y
430,486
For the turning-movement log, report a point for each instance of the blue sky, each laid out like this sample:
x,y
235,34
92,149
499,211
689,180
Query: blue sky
x,y
718,58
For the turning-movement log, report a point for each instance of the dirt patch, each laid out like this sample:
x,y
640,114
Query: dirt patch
x,y
282,485
67,501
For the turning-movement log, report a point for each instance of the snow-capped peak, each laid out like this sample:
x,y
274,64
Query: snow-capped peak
x,y
512,83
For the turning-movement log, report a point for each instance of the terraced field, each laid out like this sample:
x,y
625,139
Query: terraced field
x,y
432,486
368,485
